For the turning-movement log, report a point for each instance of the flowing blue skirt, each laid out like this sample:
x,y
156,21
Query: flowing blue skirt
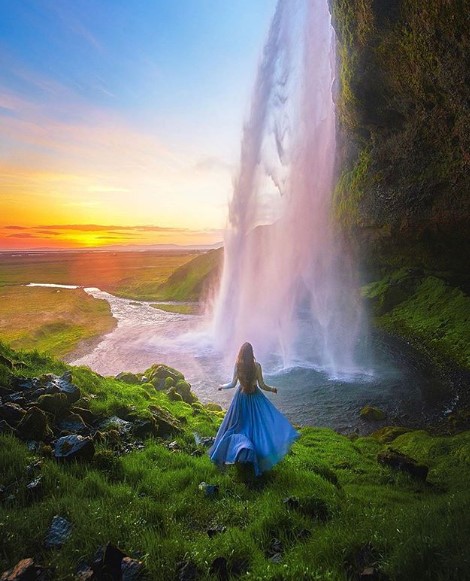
x,y
253,430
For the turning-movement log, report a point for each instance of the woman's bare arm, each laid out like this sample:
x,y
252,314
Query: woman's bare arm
x,y
259,377
232,383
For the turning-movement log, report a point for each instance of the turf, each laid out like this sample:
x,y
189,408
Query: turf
x,y
346,510
53,321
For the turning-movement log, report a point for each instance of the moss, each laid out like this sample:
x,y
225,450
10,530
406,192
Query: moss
x,y
435,317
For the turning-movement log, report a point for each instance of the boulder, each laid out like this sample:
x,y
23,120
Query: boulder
x,y
11,413
73,423
372,414
213,407
54,403
74,447
116,423
65,385
59,531
399,461
158,373
5,428
128,377
184,389
88,416
167,424
173,395
34,425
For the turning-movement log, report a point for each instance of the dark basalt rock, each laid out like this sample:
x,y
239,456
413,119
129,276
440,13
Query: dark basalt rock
x,y
5,428
74,447
399,461
112,564
11,413
34,425
65,385
131,569
59,531
25,570
73,423
116,423
88,416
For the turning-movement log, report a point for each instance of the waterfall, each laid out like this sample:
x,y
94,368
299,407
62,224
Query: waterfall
x,y
288,286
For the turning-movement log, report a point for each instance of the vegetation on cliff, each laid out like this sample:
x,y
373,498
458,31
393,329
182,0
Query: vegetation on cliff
x,y
330,510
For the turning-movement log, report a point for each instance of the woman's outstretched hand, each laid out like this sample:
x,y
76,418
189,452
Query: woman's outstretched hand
x,y
274,389
220,388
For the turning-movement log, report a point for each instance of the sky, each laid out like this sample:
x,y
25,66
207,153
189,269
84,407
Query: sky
x,y
120,121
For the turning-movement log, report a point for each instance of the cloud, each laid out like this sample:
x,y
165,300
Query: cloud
x,y
212,164
15,228
22,235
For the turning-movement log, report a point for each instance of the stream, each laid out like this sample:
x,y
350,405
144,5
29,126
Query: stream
x,y
145,335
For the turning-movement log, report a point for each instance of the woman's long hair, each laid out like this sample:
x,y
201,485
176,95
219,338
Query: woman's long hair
x,y
246,369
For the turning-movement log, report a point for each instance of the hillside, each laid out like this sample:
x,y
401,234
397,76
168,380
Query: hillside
x,y
332,509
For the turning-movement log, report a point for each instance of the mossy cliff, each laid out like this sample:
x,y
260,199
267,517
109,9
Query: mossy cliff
x,y
403,193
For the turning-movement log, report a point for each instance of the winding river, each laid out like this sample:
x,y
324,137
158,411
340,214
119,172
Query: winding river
x,y
145,335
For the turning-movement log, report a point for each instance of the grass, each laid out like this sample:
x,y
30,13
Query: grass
x,y
182,309
134,275
193,279
349,511
53,321
431,314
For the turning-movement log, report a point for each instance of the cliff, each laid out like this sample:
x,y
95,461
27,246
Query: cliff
x,y
403,107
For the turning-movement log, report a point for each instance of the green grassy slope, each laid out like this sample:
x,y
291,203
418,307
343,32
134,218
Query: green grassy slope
x,y
190,281
53,321
348,511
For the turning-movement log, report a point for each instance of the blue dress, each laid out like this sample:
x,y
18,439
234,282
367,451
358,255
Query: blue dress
x,y
253,430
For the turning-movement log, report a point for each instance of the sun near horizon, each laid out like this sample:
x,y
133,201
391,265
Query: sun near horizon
x,y
120,122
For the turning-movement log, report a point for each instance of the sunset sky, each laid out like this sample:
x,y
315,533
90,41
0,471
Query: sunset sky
x,y
120,120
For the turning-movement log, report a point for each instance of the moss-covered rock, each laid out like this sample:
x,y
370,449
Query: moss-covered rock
x,y
389,433
54,403
158,376
34,425
173,395
213,407
128,377
372,414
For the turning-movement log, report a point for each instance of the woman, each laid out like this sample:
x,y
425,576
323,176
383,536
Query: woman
x,y
253,429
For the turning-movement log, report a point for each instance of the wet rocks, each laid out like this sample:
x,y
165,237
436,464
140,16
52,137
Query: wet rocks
x,y
399,461
74,447
59,531
12,413
73,423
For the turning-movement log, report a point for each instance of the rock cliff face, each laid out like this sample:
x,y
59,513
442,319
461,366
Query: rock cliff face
x,y
403,104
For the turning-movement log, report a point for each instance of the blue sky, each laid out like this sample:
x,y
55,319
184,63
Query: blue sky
x,y
124,111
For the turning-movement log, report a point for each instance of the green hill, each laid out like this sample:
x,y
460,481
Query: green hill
x,y
190,281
